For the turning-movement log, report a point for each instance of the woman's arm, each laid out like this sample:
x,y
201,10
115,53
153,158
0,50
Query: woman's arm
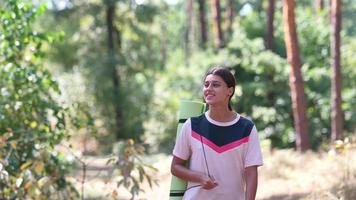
x,y
179,169
251,178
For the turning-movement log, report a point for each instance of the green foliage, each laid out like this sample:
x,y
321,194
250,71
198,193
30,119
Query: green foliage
x,y
155,72
254,25
32,122
263,78
135,59
146,13
132,169
349,73
348,17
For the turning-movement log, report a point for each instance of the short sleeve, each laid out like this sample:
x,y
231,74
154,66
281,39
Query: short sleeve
x,y
254,153
182,148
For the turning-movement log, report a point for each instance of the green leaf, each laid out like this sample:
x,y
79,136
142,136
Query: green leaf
x,y
25,165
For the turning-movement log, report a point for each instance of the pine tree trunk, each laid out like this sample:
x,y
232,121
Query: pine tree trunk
x,y
319,5
336,79
230,17
270,28
269,40
215,10
295,77
112,32
202,19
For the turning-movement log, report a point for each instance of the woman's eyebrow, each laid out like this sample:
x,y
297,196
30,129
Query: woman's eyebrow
x,y
213,81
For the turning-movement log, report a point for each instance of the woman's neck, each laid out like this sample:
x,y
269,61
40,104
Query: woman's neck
x,y
221,114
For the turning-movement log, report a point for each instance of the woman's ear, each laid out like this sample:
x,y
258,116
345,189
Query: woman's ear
x,y
230,91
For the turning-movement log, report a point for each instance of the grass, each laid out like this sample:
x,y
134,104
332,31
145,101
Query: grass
x,y
288,175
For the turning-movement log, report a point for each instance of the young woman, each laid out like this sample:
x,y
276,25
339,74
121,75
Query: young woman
x,y
222,147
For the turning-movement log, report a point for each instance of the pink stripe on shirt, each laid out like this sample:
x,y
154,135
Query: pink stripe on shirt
x,y
222,148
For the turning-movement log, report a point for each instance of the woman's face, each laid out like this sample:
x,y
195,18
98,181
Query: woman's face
x,y
216,91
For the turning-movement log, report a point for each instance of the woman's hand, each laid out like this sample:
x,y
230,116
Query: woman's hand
x,y
207,182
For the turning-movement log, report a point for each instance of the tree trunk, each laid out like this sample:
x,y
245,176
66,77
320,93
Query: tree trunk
x,y
319,5
112,32
215,10
269,45
336,111
295,77
202,19
230,17
188,30
270,28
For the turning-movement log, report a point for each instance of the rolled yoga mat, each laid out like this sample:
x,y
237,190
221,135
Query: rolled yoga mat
x,y
187,109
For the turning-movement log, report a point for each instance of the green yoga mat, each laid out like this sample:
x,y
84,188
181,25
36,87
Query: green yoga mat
x,y
187,109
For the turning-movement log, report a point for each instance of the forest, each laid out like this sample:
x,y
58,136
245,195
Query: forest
x,y
90,92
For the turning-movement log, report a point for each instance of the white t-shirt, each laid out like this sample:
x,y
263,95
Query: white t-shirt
x,y
229,147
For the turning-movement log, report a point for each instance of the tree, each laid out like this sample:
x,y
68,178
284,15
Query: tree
x,y
202,19
270,28
295,77
137,43
218,35
336,79
319,5
269,39
114,38
32,121
230,17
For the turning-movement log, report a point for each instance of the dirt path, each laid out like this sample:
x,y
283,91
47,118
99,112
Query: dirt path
x,y
286,175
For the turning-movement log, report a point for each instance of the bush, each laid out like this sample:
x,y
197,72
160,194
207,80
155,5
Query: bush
x,y
31,121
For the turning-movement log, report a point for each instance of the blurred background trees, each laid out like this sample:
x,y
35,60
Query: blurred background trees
x,y
117,69
160,50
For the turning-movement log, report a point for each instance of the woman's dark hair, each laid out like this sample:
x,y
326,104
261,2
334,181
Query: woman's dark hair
x,y
227,76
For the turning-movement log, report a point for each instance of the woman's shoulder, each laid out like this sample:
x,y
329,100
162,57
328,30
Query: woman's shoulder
x,y
198,117
245,119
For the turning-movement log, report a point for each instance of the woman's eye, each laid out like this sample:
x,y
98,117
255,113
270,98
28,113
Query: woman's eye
x,y
206,85
216,85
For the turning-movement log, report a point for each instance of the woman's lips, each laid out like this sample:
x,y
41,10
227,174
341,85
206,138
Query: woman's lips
x,y
209,96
